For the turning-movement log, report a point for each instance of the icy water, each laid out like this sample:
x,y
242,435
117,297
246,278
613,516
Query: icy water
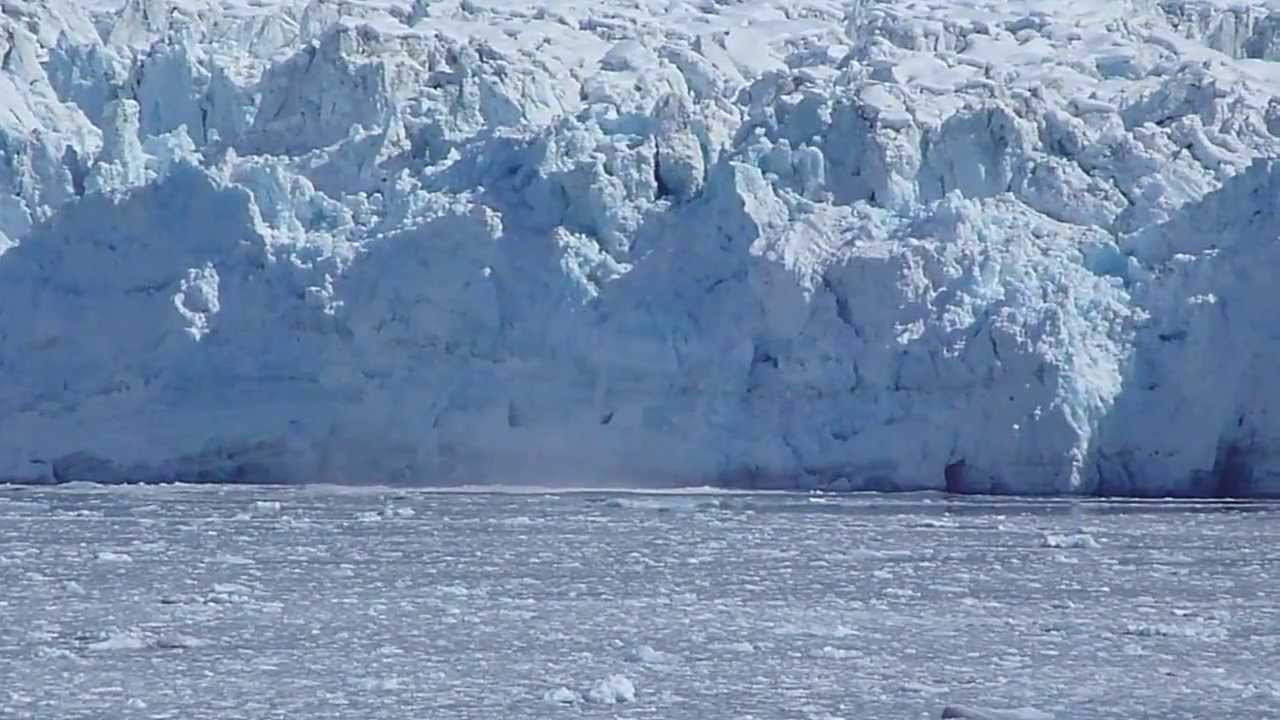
x,y
307,603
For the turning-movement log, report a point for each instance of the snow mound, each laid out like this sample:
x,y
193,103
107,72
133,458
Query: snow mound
x,y
1003,246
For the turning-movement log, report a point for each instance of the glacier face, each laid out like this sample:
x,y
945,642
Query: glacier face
x,y
983,246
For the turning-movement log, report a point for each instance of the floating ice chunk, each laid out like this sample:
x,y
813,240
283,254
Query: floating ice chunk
x,y
835,653
454,590
646,655
119,641
228,588
672,504
968,712
22,506
392,512
110,556
561,696
225,594
1187,630
177,641
922,688
815,627
383,684
612,690
939,523
267,508
1073,541
138,639
230,559
872,554
519,521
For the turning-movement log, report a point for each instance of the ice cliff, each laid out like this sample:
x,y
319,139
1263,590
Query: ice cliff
x,y
984,246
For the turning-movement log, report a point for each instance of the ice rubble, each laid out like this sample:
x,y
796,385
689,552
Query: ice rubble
x,y
1000,245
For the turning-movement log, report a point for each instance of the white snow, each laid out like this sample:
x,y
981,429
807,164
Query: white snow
x,y
992,246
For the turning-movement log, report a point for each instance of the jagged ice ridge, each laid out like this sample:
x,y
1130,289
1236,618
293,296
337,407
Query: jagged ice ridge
x,y
984,245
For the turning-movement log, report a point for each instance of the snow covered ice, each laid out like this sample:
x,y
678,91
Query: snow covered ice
x,y
986,246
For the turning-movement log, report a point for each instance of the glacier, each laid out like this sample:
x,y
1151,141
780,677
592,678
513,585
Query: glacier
x,y
984,246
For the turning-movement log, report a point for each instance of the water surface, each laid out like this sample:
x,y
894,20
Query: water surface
x,y
302,603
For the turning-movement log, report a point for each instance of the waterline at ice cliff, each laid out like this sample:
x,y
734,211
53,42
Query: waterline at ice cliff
x,y
1017,246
